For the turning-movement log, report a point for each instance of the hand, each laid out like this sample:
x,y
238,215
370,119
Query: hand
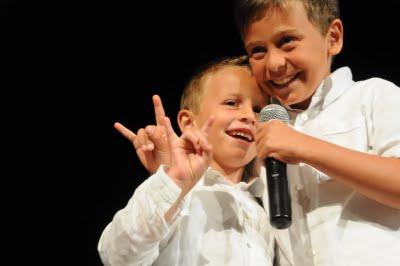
x,y
278,140
191,155
150,143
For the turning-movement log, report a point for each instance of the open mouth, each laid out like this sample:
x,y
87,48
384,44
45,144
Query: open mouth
x,y
280,83
239,134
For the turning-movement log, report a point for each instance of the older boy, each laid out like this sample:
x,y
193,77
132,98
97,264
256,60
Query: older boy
x,y
183,214
344,138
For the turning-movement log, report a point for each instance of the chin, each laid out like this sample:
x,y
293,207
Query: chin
x,y
290,100
243,159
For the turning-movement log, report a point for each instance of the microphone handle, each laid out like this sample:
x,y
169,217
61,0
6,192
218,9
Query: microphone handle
x,y
280,209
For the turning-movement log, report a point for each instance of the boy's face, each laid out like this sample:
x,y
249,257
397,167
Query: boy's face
x,y
233,97
289,55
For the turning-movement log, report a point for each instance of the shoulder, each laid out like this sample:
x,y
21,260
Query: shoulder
x,y
342,81
374,88
377,83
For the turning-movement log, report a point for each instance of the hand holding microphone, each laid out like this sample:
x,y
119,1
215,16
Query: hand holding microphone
x,y
280,209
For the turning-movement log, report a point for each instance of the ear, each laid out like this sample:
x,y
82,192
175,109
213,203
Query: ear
x,y
335,37
185,119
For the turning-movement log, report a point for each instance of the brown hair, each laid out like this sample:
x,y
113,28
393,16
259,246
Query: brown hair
x,y
321,13
193,91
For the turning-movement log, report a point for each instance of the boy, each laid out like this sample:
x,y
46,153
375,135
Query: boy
x,y
343,139
185,214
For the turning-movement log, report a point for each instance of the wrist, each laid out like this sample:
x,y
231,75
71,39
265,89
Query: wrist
x,y
175,174
311,150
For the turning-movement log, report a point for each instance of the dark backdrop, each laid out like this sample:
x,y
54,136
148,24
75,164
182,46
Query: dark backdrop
x,y
71,69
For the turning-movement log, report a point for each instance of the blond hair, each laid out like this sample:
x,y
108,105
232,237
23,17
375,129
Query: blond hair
x,y
193,92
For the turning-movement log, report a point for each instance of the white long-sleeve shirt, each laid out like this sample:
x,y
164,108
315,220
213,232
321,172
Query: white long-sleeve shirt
x,y
332,224
216,224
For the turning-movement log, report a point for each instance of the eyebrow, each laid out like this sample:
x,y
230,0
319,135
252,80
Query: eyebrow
x,y
253,44
233,94
278,34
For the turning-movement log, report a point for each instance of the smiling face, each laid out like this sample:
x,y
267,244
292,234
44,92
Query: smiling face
x,y
289,55
232,96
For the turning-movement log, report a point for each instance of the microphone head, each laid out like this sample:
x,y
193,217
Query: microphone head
x,y
274,111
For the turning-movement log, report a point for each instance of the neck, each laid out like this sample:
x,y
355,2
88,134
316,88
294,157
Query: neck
x,y
232,175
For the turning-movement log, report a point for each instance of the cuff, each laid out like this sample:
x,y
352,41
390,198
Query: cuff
x,y
165,193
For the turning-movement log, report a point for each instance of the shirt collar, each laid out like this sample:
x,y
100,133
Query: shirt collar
x,y
254,186
333,87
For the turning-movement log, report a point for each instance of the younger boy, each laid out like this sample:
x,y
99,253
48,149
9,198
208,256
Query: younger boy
x,y
343,139
186,214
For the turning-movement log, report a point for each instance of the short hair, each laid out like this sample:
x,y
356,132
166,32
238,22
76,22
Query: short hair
x,y
193,92
320,13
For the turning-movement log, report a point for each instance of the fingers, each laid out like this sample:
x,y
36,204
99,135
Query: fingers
x,y
197,139
207,125
143,141
197,146
158,110
171,136
157,135
125,131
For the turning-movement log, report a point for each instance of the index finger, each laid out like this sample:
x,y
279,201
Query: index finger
x,y
158,110
207,125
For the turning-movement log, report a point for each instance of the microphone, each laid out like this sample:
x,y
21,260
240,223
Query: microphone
x,y
280,209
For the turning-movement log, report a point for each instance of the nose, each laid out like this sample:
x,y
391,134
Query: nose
x,y
247,115
275,64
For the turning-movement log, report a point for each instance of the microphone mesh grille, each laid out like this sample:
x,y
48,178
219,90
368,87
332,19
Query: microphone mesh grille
x,y
274,111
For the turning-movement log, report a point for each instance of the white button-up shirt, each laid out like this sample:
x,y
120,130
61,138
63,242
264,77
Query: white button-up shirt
x,y
216,224
332,223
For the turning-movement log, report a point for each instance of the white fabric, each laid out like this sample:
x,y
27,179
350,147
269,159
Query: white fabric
x,y
217,224
333,224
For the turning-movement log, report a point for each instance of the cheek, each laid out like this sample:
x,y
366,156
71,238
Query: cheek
x,y
257,66
214,135
311,58
258,69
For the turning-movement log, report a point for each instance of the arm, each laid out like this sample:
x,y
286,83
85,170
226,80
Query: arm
x,y
134,235
191,155
374,176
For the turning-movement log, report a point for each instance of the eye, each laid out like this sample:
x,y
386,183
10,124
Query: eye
x,y
286,40
257,52
230,102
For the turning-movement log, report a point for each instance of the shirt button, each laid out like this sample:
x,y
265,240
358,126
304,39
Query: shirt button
x,y
304,117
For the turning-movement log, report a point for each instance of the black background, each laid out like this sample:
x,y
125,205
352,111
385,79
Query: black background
x,y
71,69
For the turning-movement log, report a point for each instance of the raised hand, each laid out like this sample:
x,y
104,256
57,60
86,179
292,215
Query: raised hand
x,y
150,143
191,155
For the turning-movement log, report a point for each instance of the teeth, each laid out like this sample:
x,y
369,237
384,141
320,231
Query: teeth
x,y
283,81
242,134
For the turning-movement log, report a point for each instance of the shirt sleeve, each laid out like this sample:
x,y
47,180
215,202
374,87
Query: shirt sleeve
x,y
134,234
385,119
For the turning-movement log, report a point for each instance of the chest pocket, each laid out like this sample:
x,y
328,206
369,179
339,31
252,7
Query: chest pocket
x,y
351,134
